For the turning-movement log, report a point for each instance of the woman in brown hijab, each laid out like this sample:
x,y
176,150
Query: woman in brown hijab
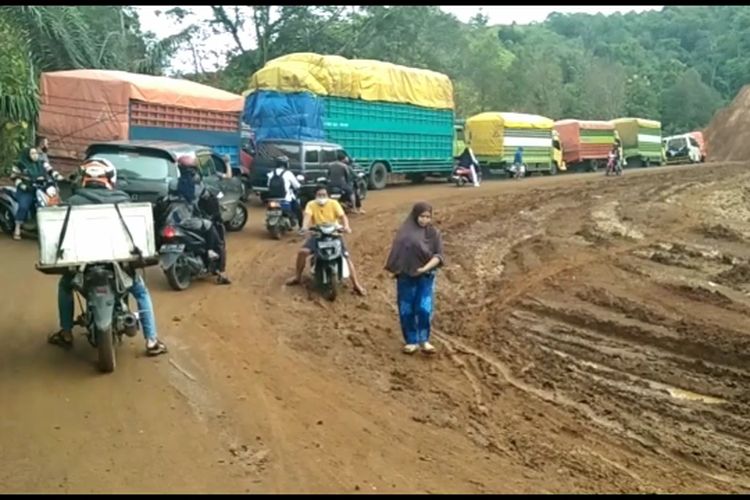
x,y
416,253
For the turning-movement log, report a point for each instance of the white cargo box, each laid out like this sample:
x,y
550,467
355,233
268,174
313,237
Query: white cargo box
x,y
95,233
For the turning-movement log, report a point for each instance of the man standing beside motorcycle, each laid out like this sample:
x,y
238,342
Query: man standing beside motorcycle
x,y
282,184
97,186
29,167
518,165
323,210
205,210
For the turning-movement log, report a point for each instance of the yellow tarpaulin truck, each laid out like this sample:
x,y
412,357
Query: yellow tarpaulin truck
x,y
494,138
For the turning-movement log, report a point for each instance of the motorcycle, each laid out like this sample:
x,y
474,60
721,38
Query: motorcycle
x,y
278,217
462,176
613,166
46,193
516,173
107,315
329,267
183,252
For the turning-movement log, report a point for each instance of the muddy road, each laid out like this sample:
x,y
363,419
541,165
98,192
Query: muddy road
x,y
592,337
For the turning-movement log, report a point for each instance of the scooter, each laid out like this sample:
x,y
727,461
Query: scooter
x,y
46,193
278,217
329,267
335,193
462,176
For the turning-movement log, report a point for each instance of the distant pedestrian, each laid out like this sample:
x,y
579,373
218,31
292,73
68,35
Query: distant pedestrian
x,y
519,168
416,253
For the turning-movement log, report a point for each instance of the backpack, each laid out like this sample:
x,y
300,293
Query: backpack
x,y
276,186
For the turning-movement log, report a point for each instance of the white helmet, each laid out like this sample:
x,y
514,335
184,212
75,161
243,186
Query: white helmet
x,y
98,171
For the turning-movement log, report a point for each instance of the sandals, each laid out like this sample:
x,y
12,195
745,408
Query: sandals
x,y
157,348
59,340
16,237
223,280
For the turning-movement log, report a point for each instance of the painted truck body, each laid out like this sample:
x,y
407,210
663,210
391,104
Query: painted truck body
x,y
459,142
585,143
641,141
494,138
81,107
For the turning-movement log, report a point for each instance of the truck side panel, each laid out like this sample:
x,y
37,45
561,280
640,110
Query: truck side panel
x,y
410,138
218,130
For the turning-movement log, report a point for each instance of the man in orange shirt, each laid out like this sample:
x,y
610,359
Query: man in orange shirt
x,y
323,210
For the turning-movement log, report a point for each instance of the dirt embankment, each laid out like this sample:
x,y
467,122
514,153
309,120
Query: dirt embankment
x,y
728,134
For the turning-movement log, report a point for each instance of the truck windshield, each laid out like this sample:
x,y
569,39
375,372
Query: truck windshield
x,y
134,165
677,144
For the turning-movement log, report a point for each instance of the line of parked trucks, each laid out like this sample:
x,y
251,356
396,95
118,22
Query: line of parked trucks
x,y
390,119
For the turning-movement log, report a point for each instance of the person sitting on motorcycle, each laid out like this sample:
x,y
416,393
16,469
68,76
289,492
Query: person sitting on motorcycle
x,y
341,176
518,165
323,210
97,186
29,167
468,160
206,212
282,184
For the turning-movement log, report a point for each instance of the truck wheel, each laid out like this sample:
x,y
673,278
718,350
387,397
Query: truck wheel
x,y
593,166
553,169
647,162
378,176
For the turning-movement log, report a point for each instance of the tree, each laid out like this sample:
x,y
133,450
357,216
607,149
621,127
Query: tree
x,y
689,103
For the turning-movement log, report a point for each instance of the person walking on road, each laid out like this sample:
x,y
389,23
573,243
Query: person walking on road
x,y
416,254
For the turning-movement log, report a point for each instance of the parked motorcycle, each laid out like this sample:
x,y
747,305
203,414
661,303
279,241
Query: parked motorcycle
x,y
279,218
46,193
329,267
183,252
106,315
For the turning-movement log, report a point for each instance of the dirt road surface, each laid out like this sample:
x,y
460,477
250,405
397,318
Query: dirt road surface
x,y
592,337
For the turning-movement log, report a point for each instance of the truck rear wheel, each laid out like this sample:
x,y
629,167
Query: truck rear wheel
x,y
378,176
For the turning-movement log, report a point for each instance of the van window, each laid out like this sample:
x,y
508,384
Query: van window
x,y
694,143
134,165
273,150
328,155
312,155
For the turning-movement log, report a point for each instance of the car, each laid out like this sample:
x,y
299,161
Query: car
x,y
146,168
307,159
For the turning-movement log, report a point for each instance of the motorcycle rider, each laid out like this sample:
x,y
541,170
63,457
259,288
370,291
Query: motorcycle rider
x,y
29,167
468,160
205,212
323,210
97,186
282,184
341,176
354,184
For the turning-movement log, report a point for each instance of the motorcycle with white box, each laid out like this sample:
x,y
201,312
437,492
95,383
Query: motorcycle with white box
x,y
95,243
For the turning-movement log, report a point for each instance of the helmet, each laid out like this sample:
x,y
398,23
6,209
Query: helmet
x,y
98,171
187,162
282,161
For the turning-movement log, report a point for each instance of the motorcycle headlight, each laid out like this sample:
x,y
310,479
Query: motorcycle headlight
x,y
51,191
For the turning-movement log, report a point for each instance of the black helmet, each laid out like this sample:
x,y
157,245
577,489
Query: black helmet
x,y
282,161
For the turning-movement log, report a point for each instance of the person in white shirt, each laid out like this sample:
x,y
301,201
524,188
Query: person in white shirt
x,y
282,184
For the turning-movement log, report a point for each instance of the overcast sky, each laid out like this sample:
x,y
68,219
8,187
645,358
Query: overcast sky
x,y
506,14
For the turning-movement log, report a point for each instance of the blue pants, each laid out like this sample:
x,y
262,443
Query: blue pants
x,y
415,305
25,202
65,305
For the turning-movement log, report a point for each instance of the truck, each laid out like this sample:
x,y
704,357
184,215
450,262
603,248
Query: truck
x,y
80,107
641,141
585,143
391,119
495,136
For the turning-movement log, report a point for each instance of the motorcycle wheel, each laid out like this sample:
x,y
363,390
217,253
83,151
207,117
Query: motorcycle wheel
x,y
178,276
105,343
332,287
275,232
7,221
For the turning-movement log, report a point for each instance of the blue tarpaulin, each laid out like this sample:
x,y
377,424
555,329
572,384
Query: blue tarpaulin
x,y
276,115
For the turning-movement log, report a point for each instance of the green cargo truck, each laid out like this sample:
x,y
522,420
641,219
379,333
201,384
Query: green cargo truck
x,y
641,141
494,138
391,138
